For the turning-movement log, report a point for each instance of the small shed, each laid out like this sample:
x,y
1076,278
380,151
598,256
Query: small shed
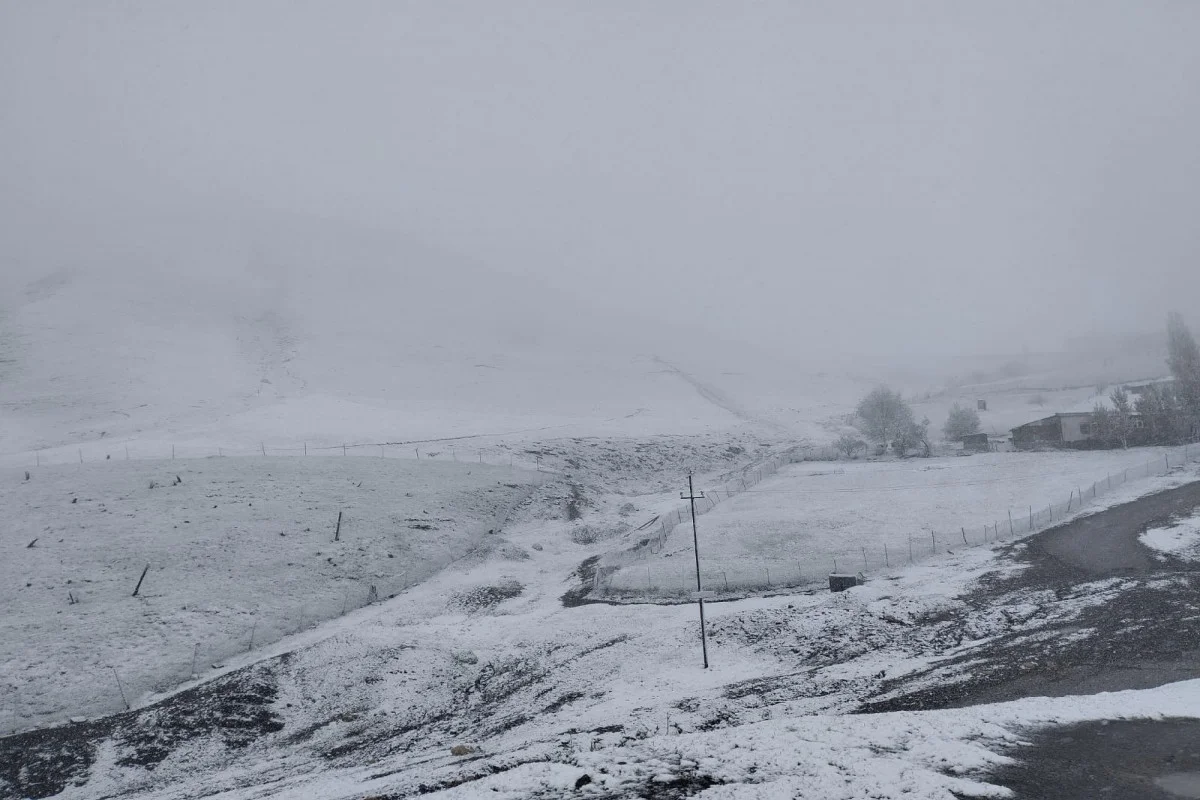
x,y
976,443
981,405
841,581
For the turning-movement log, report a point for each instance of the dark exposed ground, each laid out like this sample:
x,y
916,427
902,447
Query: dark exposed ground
x,y
1148,635
234,710
1112,761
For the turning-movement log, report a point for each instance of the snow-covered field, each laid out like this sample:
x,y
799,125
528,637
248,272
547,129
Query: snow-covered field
x,y
535,696
814,517
477,648
239,549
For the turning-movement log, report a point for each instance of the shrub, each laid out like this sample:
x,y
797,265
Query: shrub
x,y
961,422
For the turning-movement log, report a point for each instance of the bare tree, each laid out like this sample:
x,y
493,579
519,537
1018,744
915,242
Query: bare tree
x,y
1102,424
1122,416
848,444
1159,407
883,416
1183,357
910,436
961,422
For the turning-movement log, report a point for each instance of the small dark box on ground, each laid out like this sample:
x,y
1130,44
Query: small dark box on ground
x,y
839,582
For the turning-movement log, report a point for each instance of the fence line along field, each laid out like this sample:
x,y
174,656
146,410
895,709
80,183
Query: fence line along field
x,y
811,518
240,551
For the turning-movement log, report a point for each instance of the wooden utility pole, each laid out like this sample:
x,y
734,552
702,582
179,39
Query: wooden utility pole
x,y
692,497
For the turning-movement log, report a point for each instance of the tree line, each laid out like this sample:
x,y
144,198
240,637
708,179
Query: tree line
x,y
1164,413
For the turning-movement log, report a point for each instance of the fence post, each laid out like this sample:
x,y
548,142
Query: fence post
x,y
864,552
1010,527
1031,518
933,536
964,533
886,561
910,557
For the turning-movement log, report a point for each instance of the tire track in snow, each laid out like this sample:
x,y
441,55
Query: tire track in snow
x,y
719,398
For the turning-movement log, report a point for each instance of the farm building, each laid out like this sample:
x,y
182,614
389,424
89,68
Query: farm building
x,y
976,443
1071,429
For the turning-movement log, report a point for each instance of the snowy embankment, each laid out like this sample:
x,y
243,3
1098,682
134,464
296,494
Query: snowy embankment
x,y
240,552
479,681
1180,538
812,518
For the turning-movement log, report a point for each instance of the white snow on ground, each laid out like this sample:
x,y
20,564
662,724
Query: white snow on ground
x,y
797,522
523,680
240,549
1181,538
262,343
934,755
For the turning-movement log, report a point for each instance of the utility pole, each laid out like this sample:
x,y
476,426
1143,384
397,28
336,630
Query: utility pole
x,y
692,497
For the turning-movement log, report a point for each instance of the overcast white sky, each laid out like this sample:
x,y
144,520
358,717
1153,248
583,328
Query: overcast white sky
x,y
875,177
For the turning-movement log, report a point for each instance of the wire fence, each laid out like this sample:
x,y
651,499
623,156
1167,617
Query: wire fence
x,y
117,687
458,449
635,575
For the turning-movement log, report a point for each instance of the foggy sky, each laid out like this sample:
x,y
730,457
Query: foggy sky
x,y
857,177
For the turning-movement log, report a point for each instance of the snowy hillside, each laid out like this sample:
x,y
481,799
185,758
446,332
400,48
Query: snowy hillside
x,y
239,553
214,334
482,682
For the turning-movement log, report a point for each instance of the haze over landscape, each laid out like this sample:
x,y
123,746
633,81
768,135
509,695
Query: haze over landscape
x,y
567,260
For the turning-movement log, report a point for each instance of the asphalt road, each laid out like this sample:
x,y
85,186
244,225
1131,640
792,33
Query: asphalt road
x,y
1148,635
1128,760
